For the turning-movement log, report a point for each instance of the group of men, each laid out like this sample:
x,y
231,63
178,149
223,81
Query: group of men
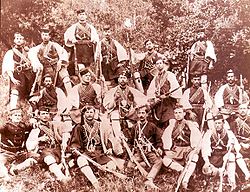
x,y
88,109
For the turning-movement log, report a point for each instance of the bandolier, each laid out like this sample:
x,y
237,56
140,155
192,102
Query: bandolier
x,y
231,97
49,99
181,135
48,57
109,59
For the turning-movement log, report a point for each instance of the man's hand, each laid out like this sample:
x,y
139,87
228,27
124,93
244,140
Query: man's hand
x,y
109,151
59,65
159,151
15,81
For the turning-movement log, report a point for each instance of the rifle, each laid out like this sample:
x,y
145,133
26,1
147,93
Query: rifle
x,y
183,173
241,90
142,153
187,70
37,82
120,175
224,167
132,158
205,110
67,173
75,63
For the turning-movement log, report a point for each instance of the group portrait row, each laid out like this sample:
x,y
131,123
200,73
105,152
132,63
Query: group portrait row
x,y
93,102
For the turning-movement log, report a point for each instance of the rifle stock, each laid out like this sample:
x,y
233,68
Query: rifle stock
x,y
132,158
142,153
67,173
120,175
223,168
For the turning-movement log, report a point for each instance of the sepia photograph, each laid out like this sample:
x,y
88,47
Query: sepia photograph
x,y
125,96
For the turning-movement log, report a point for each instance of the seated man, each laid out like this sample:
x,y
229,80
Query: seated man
x,y
87,137
180,141
148,144
13,136
219,147
44,140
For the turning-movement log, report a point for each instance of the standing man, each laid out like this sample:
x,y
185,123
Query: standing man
x,y
18,68
180,141
164,92
82,38
112,55
120,102
51,58
147,67
202,57
230,95
195,99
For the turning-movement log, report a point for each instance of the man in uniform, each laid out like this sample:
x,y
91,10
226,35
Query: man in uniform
x,y
219,147
13,136
45,140
87,137
195,99
180,141
82,38
50,96
17,67
230,95
121,102
147,65
202,57
51,58
164,91
112,55
147,141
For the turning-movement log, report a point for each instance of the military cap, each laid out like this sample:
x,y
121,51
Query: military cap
x,y
125,73
15,110
195,75
47,75
218,117
178,106
80,11
45,29
151,40
230,71
84,71
201,29
87,107
106,27
43,108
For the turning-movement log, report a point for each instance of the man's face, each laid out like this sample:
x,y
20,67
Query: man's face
x,y
122,80
16,117
230,78
45,37
243,110
107,34
19,40
142,114
86,78
149,46
159,64
179,114
44,116
218,125
82,17
47,82
196,81
201,35
89,114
